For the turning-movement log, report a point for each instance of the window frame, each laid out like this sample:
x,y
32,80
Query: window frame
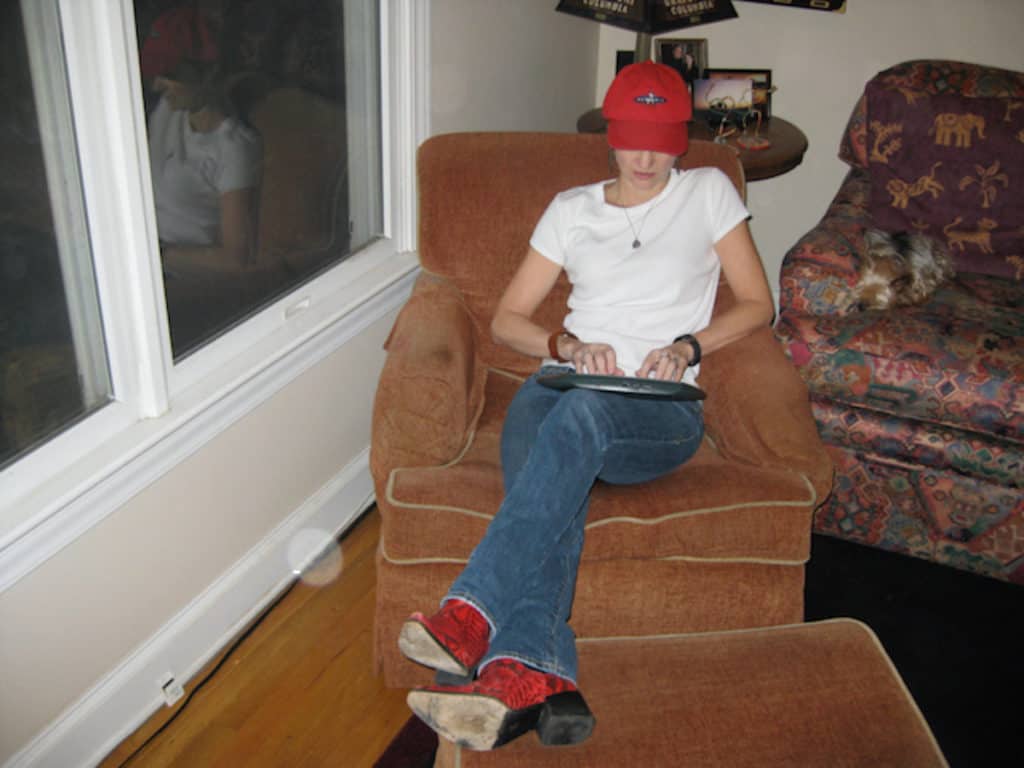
x,y
162,412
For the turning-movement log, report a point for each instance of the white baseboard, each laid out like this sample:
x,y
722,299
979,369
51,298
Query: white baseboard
x,y
117,705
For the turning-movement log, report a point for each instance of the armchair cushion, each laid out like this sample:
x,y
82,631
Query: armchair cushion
x,y
711,508
950,166
957,364
757,411
474,214
821,270
934,77
303,198
431,391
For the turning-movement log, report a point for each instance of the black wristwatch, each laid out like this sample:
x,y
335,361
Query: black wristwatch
x,y
690,339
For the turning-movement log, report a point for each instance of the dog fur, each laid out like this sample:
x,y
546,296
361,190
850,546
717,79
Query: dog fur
x,y
900,269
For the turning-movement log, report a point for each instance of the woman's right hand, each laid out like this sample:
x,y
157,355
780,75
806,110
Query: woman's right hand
x,y
592,358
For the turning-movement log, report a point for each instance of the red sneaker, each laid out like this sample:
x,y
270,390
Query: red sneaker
x,y
452,640
508,700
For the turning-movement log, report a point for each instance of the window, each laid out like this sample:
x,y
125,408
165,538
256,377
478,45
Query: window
x,y
126,340
253,110
53,361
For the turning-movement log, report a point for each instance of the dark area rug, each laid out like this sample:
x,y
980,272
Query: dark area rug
x,y
413,747
954,637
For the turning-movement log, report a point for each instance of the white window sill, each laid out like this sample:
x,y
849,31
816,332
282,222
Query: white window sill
x,y
52,515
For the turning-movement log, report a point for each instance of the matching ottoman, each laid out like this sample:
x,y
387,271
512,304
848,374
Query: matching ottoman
x,y
815,694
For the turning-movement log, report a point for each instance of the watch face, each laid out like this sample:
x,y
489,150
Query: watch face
x,y
690,339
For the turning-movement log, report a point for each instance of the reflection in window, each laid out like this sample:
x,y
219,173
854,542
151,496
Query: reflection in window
x,y
53,366
255,114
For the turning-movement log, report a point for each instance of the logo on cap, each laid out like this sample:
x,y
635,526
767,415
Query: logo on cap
x,y
650,98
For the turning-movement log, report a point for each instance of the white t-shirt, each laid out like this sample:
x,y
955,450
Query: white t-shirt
x,y
640,299
192,170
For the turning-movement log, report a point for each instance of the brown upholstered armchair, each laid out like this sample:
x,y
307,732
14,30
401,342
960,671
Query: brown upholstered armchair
x,y
719,544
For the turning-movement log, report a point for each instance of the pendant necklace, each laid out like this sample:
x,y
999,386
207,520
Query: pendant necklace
x,y
636,232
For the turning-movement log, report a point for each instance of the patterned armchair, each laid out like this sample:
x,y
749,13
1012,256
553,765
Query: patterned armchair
x,y
922,408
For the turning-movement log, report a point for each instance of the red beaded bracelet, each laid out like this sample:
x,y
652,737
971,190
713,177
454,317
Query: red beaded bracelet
x,y
553,344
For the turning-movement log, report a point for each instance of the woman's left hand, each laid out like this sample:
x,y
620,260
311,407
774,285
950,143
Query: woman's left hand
x,y
665,363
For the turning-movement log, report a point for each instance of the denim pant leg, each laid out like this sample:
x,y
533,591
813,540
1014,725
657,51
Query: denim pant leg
x,y
522,574
545,601
537,632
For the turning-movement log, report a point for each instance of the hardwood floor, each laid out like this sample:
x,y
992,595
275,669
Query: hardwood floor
x,y
297,689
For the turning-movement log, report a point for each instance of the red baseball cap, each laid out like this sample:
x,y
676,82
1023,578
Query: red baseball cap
x,y
647,106
180,33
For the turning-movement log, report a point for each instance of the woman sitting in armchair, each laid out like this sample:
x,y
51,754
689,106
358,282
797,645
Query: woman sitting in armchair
x,y
643,253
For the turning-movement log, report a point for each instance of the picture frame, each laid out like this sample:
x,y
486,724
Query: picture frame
x,y
834,6
673,51
722,102
722,94
623,59
762,85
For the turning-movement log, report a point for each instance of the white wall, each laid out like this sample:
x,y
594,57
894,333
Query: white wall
x,y
820,62
509,65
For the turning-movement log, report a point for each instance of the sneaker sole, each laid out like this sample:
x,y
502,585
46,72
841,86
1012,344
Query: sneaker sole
x,y
472,721
483,723
417,644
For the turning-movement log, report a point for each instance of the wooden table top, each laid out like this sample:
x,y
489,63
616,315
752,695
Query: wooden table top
x,y
788,144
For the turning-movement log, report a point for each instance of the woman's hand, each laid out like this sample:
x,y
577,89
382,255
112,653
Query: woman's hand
x,y
665,363
593,358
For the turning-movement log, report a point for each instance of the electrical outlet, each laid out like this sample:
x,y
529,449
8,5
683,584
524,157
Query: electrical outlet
x,y
172,689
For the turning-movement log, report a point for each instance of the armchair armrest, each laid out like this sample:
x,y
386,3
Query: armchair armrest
x,y
819,273
757,410
431,389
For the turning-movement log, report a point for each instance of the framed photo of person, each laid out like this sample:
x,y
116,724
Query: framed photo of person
x,y
762,86
688,57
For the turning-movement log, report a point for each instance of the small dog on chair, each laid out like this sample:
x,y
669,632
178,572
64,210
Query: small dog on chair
x,y
900,269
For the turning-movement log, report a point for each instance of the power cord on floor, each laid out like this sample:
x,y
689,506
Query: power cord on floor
x,y
235,644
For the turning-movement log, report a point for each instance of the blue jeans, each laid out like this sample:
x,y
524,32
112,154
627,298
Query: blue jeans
x,y
554,445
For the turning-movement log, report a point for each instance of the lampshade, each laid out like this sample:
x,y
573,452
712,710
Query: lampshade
x,y
651,17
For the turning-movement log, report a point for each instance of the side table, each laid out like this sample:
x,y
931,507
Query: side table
x,y
788,144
